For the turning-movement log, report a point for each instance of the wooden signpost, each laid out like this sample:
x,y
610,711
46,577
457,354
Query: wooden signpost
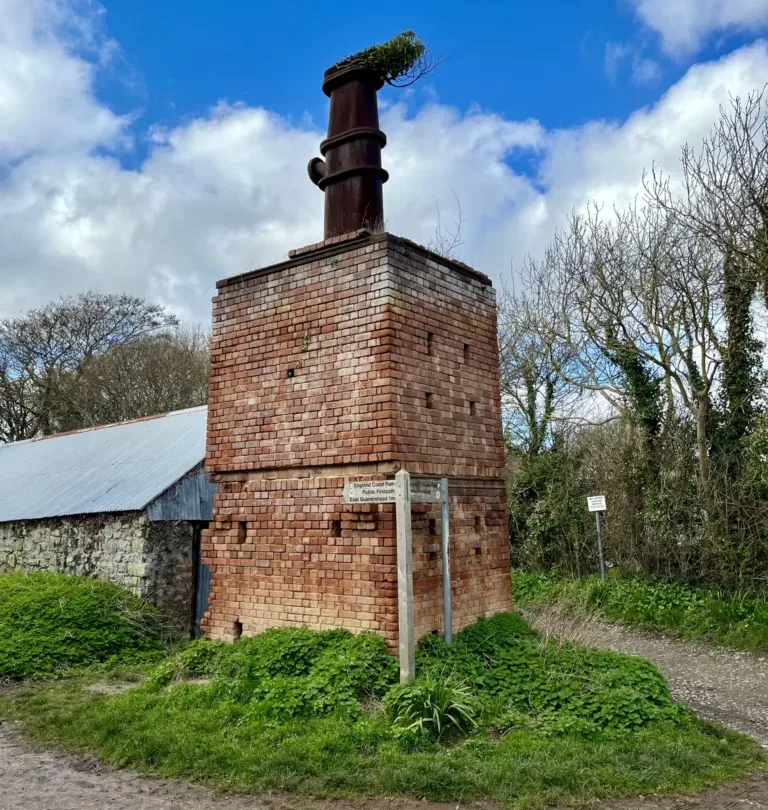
x,y
403,491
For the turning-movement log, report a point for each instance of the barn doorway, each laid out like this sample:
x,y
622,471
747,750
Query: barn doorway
x,y
202,574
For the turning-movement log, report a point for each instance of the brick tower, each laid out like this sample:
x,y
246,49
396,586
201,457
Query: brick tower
x,y
359,356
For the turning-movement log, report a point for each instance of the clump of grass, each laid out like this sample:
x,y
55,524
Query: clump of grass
x,y
500,714
695,612
55,622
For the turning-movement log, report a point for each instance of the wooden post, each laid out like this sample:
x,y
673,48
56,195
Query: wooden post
x,y
405,577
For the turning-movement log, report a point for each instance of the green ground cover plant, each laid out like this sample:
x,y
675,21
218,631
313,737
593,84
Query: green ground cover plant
x,y
696,612
500,714
55,622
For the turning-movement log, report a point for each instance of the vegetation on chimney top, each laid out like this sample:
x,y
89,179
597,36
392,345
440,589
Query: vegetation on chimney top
x,y
400,62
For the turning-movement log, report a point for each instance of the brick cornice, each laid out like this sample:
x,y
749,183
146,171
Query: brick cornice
x,y
341,244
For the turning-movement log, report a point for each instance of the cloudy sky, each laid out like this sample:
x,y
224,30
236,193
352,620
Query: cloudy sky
x,y
154,147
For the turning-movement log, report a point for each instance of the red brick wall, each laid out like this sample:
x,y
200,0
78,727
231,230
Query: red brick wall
x,y
320,370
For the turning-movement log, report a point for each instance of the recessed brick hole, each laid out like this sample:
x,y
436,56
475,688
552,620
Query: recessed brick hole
x,y
472,408
430,401
237,630
466,352
478,551
335,528
478,523
291,373
242,531
430,344
433,527
432,556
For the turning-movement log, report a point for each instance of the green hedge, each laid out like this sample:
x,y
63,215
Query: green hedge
x,y
52,622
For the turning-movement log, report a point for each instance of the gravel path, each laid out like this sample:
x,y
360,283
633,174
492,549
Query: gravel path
x,y
729,686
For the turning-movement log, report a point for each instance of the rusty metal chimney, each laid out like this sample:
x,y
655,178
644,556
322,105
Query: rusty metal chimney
x,y
351,175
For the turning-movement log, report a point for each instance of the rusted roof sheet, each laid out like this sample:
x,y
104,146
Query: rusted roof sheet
x,y
115,468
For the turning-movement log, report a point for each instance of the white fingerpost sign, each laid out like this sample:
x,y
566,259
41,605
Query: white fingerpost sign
x,y
423,490
596,504
403,491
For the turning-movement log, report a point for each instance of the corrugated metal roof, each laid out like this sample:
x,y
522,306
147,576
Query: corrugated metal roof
x,y
114,468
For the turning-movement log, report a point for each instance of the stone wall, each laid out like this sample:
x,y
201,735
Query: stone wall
x,y
102,546
359,356
154,560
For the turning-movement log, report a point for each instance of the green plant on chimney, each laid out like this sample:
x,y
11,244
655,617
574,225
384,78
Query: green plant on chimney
x,y
401,61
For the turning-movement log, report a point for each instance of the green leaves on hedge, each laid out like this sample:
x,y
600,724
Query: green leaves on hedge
x,y
51,622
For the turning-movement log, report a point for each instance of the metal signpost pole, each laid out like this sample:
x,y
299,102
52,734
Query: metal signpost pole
x,y
405,577
596,504
600,546
447,613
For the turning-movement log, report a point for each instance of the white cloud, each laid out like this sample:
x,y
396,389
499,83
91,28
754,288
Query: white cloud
x,y
643,69
228,192
46,101
685,25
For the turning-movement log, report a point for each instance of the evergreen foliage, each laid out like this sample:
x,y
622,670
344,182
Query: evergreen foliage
x,y
55,622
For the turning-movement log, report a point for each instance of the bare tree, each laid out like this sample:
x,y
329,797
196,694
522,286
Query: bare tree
x,y
39,349
535,395
155,373
724,196
446,241
636,305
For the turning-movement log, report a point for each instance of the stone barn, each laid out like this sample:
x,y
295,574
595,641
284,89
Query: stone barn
x,y
357,357
124,502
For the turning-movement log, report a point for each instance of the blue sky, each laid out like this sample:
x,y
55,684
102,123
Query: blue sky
x,y
562,62
153,147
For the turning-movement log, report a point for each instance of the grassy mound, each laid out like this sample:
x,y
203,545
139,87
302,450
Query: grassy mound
x,y
53,622
695,612
499,714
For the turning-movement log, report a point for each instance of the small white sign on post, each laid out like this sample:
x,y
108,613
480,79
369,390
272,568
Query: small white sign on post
x,y
596,503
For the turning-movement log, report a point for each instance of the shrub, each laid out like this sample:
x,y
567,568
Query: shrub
x,y
55,622
286,674
497,668
561,688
